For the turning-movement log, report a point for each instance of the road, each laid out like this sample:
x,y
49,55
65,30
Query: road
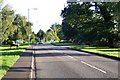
x,y
60,62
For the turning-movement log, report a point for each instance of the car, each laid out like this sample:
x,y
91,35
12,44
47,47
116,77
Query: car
x,y
40,42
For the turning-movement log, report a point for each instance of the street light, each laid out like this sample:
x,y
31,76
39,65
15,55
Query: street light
x,y
29,21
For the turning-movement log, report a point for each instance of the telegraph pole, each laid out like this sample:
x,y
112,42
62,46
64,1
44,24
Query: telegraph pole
x,y
28,27
28,22
0,27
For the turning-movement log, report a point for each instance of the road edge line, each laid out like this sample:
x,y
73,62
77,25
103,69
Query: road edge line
x,y
32,75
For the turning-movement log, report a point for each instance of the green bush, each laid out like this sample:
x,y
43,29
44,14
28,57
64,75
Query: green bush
x,y
10,42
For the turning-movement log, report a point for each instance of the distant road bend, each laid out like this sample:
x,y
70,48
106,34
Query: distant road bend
x,y
60,62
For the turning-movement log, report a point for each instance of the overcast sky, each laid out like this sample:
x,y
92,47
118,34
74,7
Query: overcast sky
x,y
47,13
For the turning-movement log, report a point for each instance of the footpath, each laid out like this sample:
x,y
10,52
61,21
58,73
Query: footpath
x,y
23,68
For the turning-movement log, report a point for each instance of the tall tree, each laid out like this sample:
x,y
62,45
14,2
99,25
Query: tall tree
x,y
108,26
95,26
7,22
51,36
57,29
1,1
24,27
75,17
34,38
40,34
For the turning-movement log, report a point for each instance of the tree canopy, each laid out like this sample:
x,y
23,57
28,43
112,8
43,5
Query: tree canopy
x,y
15,26
91,23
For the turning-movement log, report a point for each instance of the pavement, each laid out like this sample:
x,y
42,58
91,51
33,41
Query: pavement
x,y
22,69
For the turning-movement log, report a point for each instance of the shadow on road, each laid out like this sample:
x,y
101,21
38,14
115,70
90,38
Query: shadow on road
x,y
56,51
19,69
58,54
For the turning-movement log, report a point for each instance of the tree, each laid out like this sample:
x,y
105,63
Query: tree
x,y
34,38
75,19
40,34
51,36
15,26
108,27
98,26
57,29
24,27
7,23
1,1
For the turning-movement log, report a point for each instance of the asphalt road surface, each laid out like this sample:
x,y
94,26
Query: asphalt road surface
x,y
60,62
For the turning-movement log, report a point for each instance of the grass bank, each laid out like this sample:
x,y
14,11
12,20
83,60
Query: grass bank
x,y
115,52
9,56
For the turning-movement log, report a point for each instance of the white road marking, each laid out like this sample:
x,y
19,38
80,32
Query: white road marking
x,y
67,55
70,57
32,66
94,67
86,64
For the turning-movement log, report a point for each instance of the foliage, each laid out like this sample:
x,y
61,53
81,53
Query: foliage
x,y
15,27
7,19
98,26
40,34
51,36
55,33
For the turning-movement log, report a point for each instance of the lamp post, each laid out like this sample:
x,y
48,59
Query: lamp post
x,y
29,21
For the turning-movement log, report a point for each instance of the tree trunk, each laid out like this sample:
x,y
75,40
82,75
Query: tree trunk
x,y
110,43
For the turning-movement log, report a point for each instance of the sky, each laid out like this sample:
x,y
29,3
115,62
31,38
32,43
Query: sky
x,y
47,11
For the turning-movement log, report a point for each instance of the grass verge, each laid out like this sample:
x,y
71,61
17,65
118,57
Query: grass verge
x,y
114,52
8,57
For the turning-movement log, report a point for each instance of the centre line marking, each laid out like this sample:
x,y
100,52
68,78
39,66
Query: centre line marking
x,y
67,55
71,57
93,67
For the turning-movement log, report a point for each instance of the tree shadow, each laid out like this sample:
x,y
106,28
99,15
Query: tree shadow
x,y
88,47
76,54
16,53
51,48
19,69
24,54
110,50
59,54
48,54
12,49
11,53
4,67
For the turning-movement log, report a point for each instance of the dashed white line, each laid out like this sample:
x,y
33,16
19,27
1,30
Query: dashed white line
x,y
71,57
94,67
87,64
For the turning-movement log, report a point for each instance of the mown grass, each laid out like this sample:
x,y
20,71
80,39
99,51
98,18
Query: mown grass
x,y
100,50
9,56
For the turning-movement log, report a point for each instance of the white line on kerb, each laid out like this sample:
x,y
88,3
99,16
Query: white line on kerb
x,y
93,67
32,65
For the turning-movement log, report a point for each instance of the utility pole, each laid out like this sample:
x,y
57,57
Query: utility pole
x,y
28,26
0,26
28,23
